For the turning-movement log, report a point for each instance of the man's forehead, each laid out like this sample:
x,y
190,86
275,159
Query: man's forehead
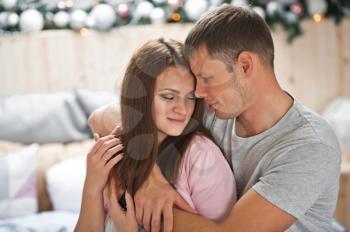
x,y
198,58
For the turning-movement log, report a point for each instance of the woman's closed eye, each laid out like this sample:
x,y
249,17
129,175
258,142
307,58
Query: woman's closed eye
x,y
167,97
191,97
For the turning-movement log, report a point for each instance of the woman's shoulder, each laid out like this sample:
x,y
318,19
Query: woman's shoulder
x,y
202,148
203,143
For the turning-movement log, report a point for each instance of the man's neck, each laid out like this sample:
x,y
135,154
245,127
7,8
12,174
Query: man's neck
x,y
264,113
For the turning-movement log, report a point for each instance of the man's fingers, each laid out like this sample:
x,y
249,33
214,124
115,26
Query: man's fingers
x,y
139,211
182,204
168,218
146,219
129,204
155,224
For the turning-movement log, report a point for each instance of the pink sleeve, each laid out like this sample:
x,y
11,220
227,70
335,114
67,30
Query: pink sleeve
x,y
206,181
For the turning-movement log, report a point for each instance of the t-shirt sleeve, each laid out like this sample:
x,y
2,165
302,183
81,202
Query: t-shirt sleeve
x,y
294,180
210,180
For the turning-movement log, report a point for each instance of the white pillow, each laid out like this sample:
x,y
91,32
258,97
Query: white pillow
x,y
65,182
18,195
337,114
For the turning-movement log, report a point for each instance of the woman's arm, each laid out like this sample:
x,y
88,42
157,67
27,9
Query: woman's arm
x,y
99,164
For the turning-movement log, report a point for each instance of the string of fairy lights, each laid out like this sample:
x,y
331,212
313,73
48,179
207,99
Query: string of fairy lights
x,y
25,16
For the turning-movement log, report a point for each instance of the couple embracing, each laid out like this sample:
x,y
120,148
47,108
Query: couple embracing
x,y
209,141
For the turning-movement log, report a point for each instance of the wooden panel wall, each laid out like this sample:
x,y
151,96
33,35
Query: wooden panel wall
x,y
315,68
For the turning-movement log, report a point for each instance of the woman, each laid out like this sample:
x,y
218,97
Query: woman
x,y
162,124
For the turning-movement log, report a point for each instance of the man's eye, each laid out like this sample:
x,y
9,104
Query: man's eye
x,y
205,79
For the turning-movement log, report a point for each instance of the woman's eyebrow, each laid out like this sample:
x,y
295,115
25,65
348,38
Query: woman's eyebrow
x,y
169,89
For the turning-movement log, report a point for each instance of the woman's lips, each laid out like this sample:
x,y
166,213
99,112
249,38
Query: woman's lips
x,y
177,120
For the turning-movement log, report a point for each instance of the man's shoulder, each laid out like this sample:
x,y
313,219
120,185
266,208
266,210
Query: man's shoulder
x,y
311,128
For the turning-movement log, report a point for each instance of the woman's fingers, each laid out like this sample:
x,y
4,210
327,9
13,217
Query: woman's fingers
x,y
106,145
99,143
96,137
110,164
115,208
112,151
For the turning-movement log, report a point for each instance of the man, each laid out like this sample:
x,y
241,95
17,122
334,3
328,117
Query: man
x,y
285,158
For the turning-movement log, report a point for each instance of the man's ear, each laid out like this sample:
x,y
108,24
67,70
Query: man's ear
x,y
245,63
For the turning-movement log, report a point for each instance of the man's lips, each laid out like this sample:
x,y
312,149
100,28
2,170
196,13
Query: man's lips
x,y
212,105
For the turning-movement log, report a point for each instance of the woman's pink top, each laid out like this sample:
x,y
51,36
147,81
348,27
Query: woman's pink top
x,y
205,179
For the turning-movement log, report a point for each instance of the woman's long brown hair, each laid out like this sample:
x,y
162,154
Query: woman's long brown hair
x,y
139,132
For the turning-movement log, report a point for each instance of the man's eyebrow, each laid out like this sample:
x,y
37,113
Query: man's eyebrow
x,y
169,89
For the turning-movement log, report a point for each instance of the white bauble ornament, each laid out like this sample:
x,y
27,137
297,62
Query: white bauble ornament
x,y
260,11
8,4
77,19
31,20
317,6
144,9
61,19
105,16
157,16
83,4
12,19
3,19
195,8
215,2
90,21
174,4
240,3
273,8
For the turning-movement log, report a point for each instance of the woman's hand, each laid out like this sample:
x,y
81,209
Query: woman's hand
x,y
100,162
124,221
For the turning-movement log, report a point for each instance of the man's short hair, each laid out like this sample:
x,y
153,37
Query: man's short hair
x,y
227,30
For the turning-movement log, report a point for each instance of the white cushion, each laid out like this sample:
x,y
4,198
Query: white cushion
x,y
18,195
65,181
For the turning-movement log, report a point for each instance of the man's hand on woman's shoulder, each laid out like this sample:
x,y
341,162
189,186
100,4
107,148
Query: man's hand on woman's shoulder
x,y
104,120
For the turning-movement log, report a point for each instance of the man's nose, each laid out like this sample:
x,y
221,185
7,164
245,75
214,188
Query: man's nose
x,y
200,91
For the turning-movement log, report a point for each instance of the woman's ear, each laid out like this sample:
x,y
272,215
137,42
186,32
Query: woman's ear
x,y
245,63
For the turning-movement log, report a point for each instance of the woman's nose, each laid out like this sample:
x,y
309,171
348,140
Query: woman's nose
x,y
180,107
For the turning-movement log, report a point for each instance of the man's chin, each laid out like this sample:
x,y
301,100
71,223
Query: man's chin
x,y
223,115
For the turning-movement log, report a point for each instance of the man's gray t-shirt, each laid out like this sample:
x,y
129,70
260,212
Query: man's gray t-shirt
x,y
295,165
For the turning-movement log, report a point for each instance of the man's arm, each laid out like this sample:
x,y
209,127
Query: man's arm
x,y
104,120
251,213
